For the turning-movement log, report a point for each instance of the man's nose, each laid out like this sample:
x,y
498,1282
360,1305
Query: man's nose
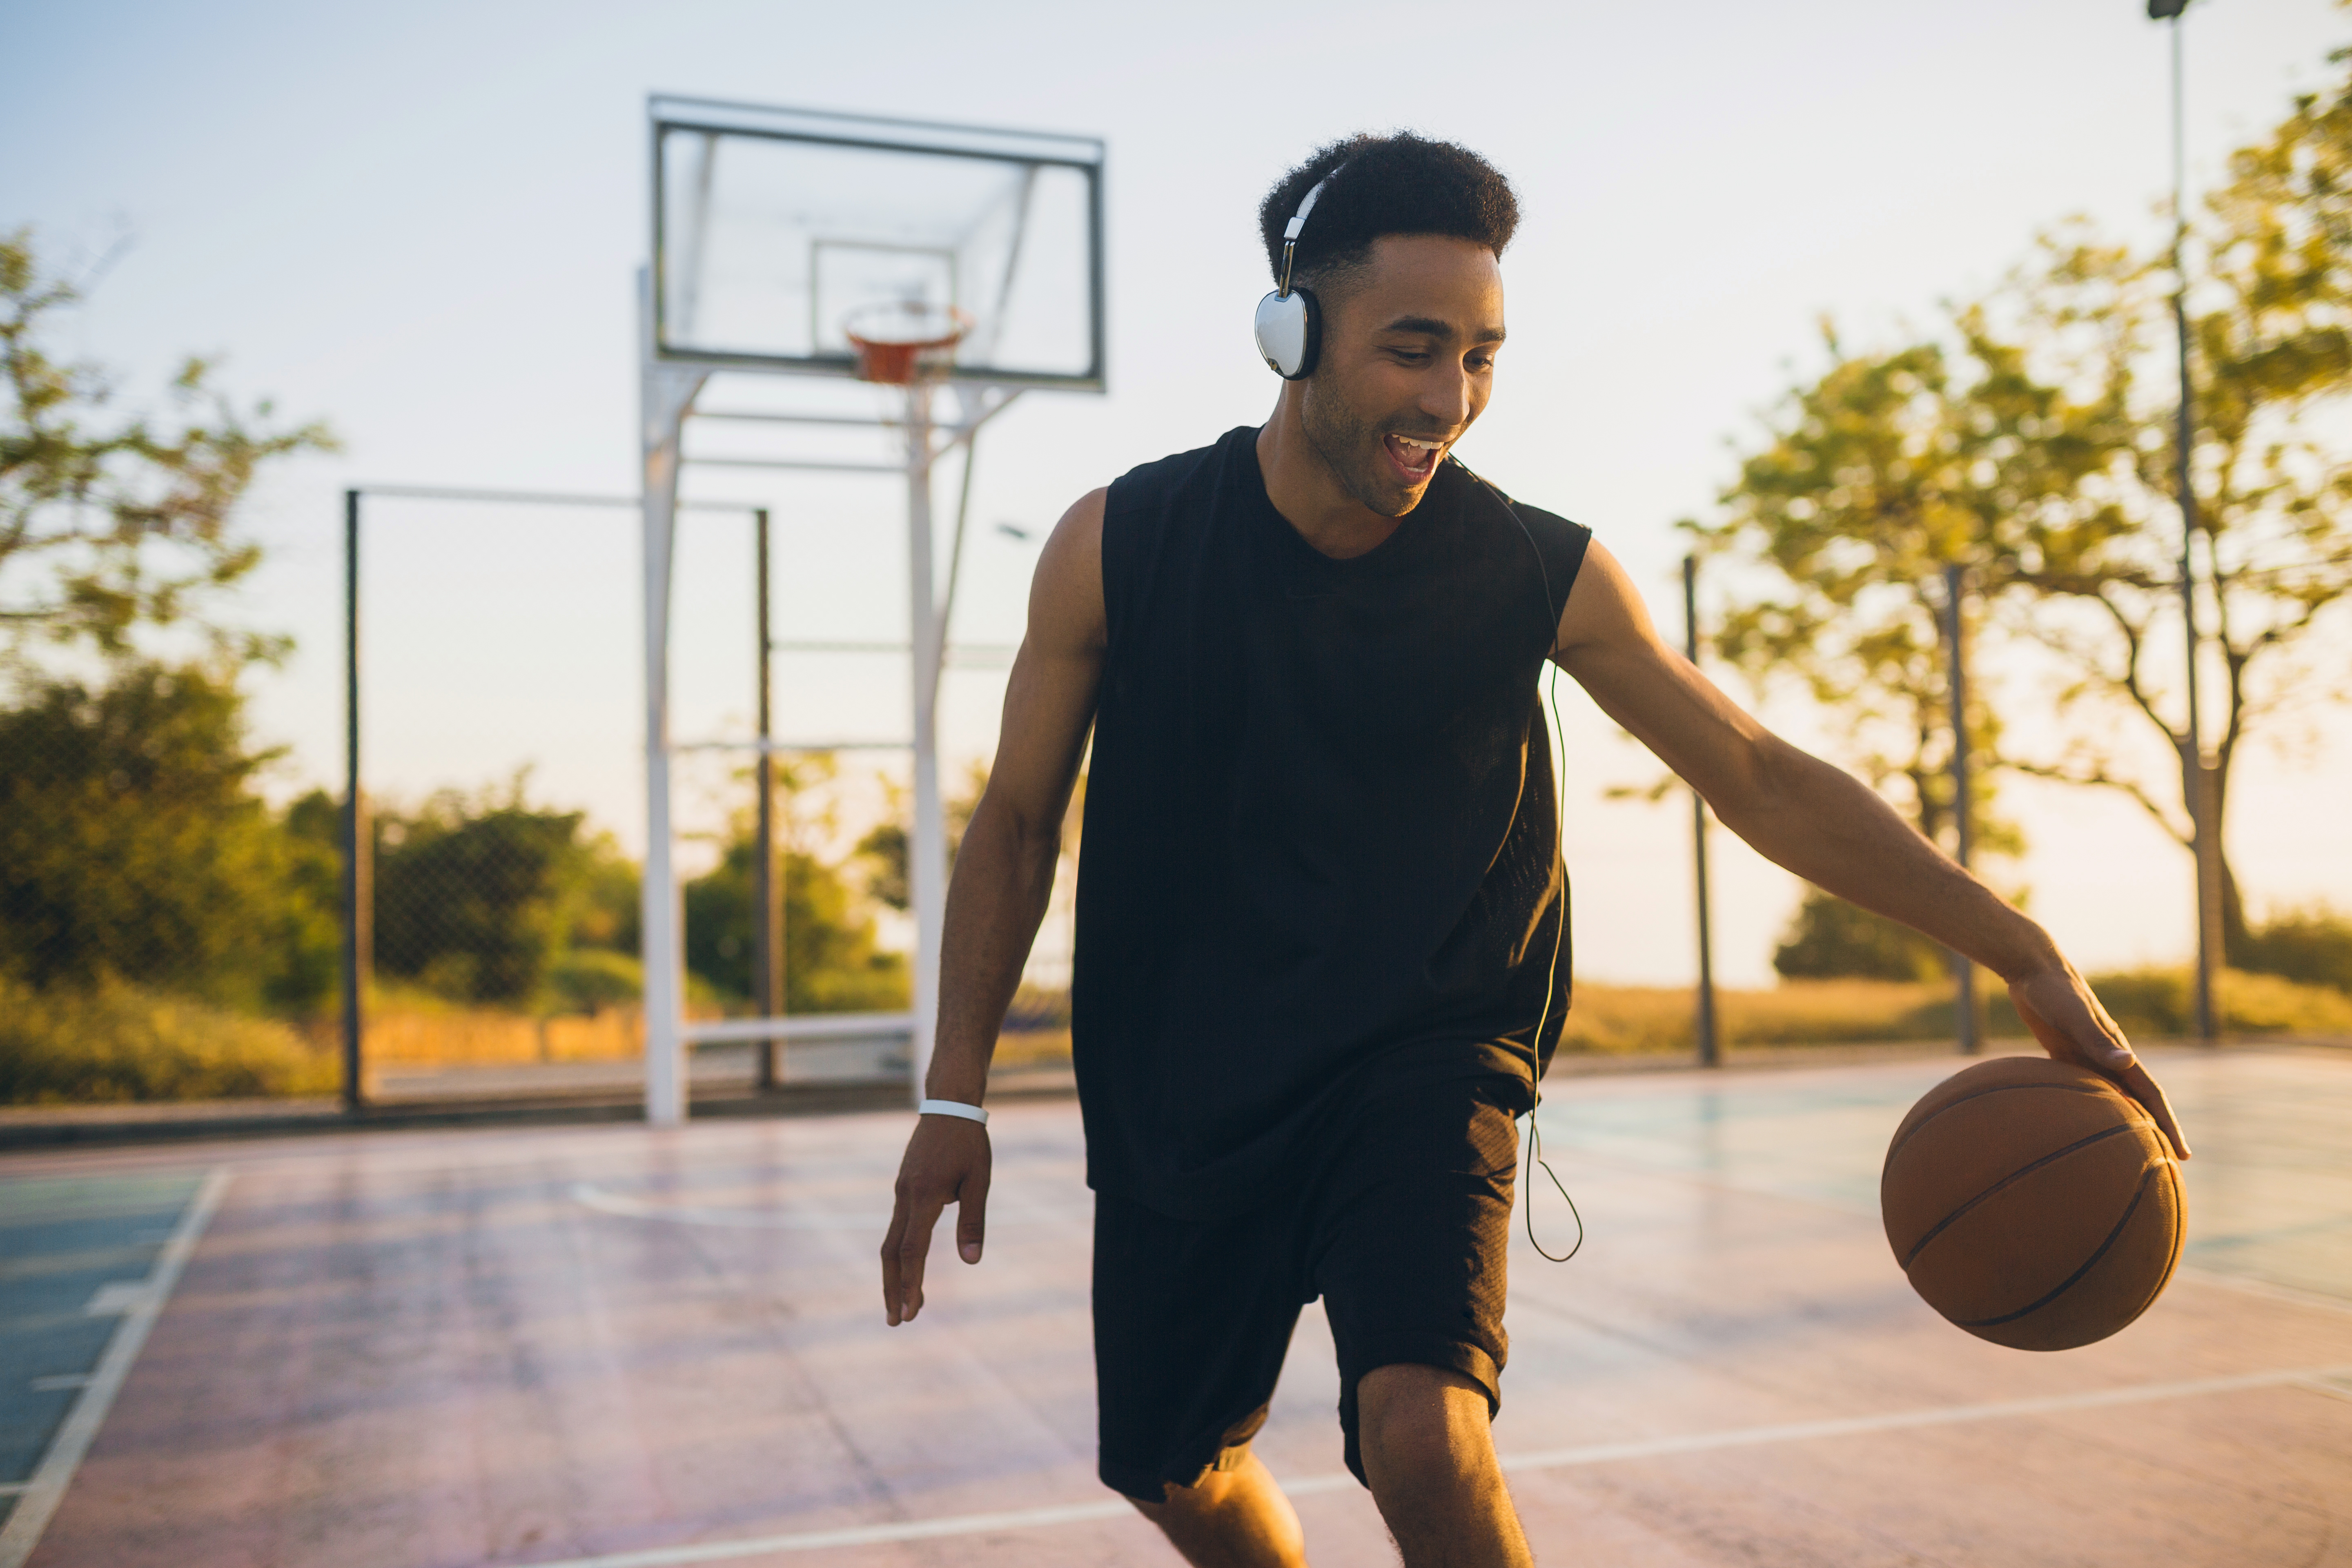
x,y
1446,396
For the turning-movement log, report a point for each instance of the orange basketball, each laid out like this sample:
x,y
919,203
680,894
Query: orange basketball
x,y
2032,1202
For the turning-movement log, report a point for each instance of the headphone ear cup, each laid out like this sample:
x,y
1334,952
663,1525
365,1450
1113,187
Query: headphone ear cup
x,y
1289,333
1312,349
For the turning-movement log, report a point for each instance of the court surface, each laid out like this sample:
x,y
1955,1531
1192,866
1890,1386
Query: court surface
x,y
615,1346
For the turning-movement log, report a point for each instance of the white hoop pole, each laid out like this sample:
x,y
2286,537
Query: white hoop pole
x,y
927,848
665,394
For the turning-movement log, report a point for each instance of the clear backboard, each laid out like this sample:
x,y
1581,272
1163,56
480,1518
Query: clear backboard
x,y
773,226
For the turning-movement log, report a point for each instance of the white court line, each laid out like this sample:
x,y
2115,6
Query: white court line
x,y
1543,1459
41,1495
588,1195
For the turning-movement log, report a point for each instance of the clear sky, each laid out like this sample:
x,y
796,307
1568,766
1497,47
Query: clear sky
x,y
423,223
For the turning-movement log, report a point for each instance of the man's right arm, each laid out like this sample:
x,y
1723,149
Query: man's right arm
x,y
1004,879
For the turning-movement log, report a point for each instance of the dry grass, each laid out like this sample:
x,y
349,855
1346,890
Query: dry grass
x,y
122,1042
1633,1020
1622,1020
418,1031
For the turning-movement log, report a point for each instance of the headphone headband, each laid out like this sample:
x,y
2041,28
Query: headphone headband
x,y
1290,230
1290,323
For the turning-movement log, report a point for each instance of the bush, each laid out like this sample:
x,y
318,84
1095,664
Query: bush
x,y
112,1042
1833,940
2163,1002
2312,946
589,980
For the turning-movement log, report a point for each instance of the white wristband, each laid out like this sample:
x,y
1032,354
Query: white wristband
x,y
952,1108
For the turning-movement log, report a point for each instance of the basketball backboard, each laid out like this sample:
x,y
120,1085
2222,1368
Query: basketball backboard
x,y
773,226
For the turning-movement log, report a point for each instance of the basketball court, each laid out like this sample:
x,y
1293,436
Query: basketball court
x,y
632,1346
644,1344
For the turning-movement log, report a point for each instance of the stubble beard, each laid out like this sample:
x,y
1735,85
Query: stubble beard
x,y
1350,448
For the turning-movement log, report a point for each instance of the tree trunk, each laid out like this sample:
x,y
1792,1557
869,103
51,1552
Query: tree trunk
x,y
2235,932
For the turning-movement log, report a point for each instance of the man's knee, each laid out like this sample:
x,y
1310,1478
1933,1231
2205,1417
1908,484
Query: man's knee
x,y
1179,1502
1423,1426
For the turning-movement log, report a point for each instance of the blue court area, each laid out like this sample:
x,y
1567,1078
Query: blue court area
x,y
609,1347
74,1251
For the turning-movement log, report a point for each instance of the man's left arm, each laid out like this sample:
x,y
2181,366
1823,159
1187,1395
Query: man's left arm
x,y
1827,827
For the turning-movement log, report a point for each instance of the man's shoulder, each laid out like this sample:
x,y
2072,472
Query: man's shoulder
x,y
1148,485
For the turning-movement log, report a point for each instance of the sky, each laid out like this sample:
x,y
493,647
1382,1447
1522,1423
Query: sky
x,y
424,223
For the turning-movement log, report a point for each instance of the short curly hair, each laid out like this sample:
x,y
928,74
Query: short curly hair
x,y
1398,184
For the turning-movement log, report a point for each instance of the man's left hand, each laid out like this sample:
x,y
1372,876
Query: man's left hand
x,y
2058,1006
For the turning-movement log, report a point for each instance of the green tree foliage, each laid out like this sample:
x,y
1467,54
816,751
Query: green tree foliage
x,y
2032,443
132,845
1833,940
883,847
1875,479
831,963
478,898
2099,584
110,522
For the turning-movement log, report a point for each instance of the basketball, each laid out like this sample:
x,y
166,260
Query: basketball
x,y
2033,1204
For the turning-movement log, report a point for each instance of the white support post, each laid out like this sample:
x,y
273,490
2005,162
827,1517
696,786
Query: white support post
x,y
665,392
927,848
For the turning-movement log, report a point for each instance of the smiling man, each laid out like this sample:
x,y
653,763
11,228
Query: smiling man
x,y
1322,950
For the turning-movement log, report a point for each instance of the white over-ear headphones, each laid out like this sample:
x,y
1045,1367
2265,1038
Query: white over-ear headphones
x,y
1289,321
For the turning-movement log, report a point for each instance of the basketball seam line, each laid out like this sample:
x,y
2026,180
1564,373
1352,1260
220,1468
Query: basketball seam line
x,y
2005,1088
2088,1264
2012,1179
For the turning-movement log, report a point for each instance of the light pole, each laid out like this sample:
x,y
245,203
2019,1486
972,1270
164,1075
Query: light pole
x,y
1964,974
1710,1046
2197,778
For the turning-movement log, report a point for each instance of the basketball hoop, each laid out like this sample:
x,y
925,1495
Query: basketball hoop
x,y
892,339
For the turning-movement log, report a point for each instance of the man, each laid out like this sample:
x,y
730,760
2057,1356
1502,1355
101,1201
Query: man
x,y
1322,954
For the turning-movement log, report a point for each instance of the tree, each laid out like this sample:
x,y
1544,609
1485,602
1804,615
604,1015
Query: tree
x,y
133,846
883,847
110,522
1872,481
2032,444
478,898
2272,365
831,962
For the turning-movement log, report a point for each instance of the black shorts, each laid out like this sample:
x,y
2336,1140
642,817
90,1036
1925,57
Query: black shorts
x,y
1402,1228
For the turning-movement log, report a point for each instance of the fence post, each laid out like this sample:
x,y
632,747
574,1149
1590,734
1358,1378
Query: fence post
x,y
767,890
356,834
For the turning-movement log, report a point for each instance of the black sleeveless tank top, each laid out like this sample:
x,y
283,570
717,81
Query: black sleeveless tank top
x,y
1319,856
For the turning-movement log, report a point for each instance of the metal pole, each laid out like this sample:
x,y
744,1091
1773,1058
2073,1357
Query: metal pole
x,y
926,843
666,392
1964,974
768,923
2204,831
355,837
1710,1050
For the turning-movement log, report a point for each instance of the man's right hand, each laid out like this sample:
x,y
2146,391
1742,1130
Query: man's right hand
x,y
947,1162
